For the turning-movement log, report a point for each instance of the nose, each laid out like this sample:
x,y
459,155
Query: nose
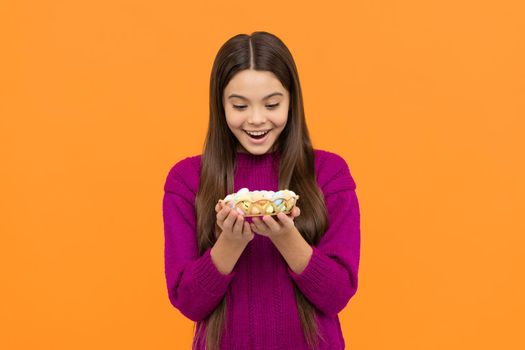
x,y
256,117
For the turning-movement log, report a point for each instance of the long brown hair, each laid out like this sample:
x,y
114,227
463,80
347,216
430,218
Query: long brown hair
x,y
264,52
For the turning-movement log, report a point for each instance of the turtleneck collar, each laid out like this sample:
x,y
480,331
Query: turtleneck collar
x,y
256,160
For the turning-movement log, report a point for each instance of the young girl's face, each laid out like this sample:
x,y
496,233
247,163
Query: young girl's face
x,y
256,101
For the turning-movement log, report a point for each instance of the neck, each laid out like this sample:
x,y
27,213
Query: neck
x,y
246,159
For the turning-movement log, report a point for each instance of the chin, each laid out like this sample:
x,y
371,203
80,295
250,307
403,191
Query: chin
x,y
257,150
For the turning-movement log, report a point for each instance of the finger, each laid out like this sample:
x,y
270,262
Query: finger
x,y
285,220
271,223
218,207
223,213
259,224
253,225
250,234
296,211
238,226
247,232
230,219
220,224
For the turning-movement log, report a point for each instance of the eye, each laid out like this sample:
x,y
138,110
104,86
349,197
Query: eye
x,y
268,106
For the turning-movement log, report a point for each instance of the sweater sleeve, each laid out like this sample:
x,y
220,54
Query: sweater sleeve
x,y
195,285
330,278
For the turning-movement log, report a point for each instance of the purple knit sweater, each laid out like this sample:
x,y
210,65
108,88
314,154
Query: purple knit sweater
x,y
262,312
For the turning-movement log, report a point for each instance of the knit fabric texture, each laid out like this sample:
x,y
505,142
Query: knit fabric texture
x,y
261,305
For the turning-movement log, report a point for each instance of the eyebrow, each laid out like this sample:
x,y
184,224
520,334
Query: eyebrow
x,y
244,98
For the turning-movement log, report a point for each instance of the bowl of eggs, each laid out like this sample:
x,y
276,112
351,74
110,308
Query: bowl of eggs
x,y
260,203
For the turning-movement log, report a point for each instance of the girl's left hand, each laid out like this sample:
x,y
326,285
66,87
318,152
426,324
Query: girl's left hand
x,y
272,228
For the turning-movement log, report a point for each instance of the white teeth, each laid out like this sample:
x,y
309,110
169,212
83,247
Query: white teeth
x,y
257,133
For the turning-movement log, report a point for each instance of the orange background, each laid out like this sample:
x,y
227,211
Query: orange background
x,y
424,99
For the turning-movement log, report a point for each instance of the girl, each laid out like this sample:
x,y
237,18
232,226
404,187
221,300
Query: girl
x,y
273,282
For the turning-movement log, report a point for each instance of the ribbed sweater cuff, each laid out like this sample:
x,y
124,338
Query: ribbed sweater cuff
x,y
314,274
209,277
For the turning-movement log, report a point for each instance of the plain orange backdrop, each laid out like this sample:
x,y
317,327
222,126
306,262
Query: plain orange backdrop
x,y
424,99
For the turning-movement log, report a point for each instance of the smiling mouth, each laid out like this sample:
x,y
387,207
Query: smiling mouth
x,y
257,137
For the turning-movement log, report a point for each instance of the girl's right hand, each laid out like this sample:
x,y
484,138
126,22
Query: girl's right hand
x,y
233,226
